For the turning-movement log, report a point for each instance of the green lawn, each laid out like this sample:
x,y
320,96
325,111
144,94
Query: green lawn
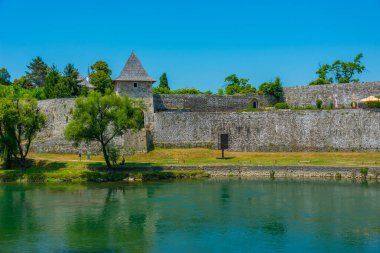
x,y
67,167
201,156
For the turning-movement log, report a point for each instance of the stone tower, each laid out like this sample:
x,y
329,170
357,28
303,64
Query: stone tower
x,y
135,82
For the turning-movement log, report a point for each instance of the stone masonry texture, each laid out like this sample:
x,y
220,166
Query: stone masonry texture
x,y
198,120
350,130
339,95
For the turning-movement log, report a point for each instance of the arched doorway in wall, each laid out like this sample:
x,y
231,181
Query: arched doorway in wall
x,y
255,104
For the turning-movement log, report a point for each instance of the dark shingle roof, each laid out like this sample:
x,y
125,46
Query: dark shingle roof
x,y
84,82
134,71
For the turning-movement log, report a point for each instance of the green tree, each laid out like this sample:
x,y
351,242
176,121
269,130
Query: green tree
x,y
344,72
29,121
23,82
8,145
20,121
70,74
159,90
60,86
235,85
221,92
189,91
113,153
101,118
339,72
322,73
37,71
101,77
273,88
52,79
5,77
164,84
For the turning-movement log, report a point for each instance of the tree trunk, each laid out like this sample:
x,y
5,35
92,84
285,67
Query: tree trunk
x,y
23,163
106,158
8,161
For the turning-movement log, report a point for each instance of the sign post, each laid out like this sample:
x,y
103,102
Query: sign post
x,y
223,143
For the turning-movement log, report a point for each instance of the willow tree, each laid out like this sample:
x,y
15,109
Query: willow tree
x,y
101,118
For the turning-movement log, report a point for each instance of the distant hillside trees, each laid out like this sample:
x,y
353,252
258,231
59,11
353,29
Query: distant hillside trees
x,y
100,77
5,77
101,118
340,72
38,70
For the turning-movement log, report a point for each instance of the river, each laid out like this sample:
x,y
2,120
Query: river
x,y
210,215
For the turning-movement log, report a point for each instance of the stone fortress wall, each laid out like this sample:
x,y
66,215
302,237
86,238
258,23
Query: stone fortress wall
x,y
340,95
211,103
197,120
312,130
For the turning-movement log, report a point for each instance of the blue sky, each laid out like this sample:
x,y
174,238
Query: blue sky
x,y
198,42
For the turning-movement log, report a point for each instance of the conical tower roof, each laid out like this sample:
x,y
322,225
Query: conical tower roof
x,y
134,71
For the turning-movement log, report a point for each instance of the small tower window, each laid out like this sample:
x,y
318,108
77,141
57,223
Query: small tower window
x,y
135,85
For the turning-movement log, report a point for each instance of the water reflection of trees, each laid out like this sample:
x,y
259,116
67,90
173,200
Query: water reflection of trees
x,y
119,224
17,222
138,217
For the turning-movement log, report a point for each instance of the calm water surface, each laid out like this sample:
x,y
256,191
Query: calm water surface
x,y
192,216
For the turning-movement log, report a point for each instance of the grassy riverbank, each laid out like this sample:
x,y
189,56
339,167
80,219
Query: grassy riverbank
x,y
202,156
67,168
58,171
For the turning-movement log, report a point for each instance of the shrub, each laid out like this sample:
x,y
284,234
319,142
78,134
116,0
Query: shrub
x,y
36,178
99,176
364,172
281,106
319,103
114,153
373,104
11,176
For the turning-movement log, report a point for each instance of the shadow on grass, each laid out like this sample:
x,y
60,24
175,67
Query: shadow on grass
x,y
33,173
128,166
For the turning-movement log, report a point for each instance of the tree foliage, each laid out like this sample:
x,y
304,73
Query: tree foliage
x,y
60,86
20,121
37,72
71,74
23,82
235,85
158,90
101,118
101,77
340,72
272,88
5,77
17,91
164,84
